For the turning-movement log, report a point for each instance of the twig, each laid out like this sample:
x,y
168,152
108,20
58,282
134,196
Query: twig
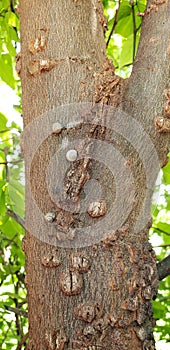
x,y
163,268
15,137
6,169
12,162
134,29
163,298
114,24
5,336
16,311
162,246
16,217
2,131
125,65
22,303
17,318
12,6
11,241
161,231
22,341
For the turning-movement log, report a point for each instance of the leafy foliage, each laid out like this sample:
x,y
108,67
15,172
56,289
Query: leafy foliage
x,y
9,27
160,232
124,17
12,273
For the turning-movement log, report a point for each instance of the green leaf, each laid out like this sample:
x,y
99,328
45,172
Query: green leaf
x,y
16,197
126,56
2,184
2,202
125,10
3,121
163,226
5,4
11,48
159,310
10,228
6,70
166,173
105,3
2,156
141,5
12,33
12,19
19,188
125,26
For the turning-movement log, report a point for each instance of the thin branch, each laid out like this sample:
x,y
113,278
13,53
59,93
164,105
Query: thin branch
x,y
11,241
163,298
162,246
6,169
5,336
125,65
163,268
134,29
114,24
161,231
13,138
12,162
12,6
22,341
16,311
22,303
16,217
17,318
2,131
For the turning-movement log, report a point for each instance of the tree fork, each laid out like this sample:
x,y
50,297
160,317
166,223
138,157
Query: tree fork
x,y
103,301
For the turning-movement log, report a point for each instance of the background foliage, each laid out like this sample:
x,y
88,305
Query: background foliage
x,y
124,19
124,23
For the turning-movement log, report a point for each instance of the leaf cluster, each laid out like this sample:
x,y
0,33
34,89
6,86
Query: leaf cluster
x,y
12,272
126,19
160,238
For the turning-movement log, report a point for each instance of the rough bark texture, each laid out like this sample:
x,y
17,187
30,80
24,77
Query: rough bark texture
x,y
96,297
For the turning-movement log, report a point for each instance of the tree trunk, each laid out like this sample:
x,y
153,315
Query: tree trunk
x,y
91,272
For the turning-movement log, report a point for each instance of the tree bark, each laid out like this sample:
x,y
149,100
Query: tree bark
x,y
95,296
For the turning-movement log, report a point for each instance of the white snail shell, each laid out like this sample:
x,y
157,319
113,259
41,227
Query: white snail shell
x,y
49,217
71,155
57,127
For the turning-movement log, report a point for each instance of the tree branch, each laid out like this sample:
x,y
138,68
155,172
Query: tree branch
x,y
164,298
16,311
161,231
6,168
22,341
163,268
114,24
2,131
12,6
162,246
16,217
12,162
134,29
